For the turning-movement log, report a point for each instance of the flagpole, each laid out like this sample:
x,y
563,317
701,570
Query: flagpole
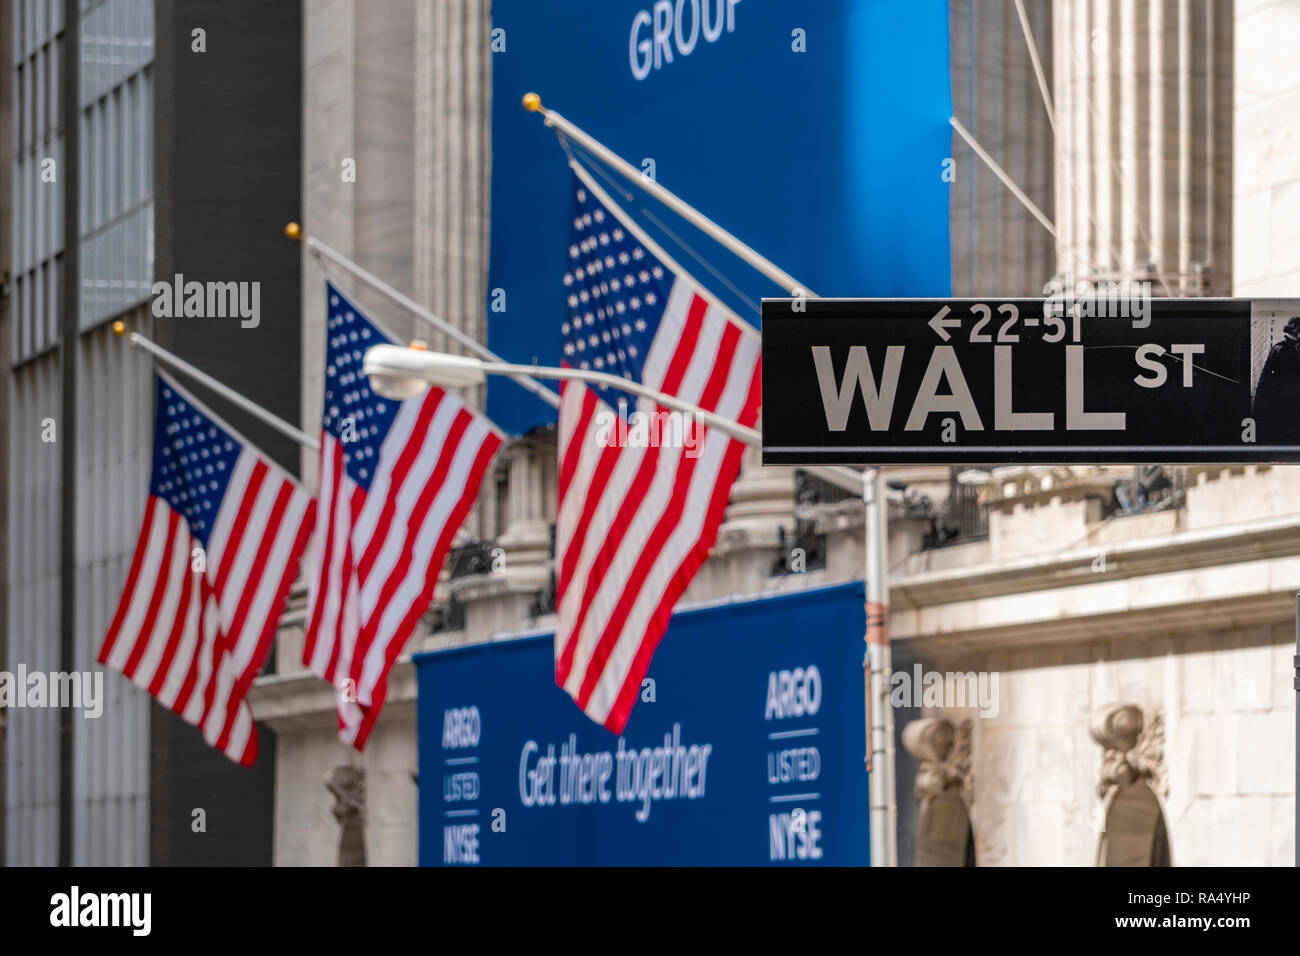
x,y
883,846
654,248
533,103
225,391
734,429
294,231
838,475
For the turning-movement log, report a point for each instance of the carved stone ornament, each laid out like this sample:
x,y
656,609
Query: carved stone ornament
x,y
1133,748
944,750
348,785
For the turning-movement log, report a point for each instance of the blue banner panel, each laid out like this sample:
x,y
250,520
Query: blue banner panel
x,y
816,133
746,748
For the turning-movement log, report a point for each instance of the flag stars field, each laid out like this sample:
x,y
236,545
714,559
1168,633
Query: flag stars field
x,y
396,480
347,394
635,523
588,333
195,636
190,476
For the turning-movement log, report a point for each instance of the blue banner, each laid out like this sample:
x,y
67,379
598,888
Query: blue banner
x,y
816,133
746,748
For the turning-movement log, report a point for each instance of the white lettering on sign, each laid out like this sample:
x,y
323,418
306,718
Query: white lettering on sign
x,y
800,764
796,693
1076,419
674,771
460,843
460,786
943,370
677,26
460,728
838,400
1004,419
789,841
1147,354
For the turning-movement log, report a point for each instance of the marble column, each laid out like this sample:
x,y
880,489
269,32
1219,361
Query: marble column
x,y
453,143
759,516
453,125
531,507
358,59
761,506
997,247
504,599
1143,94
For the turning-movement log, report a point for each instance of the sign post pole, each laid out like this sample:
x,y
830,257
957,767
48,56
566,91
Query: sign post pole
x,y
884,806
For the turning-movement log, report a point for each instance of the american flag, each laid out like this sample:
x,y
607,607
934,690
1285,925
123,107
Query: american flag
x,y
635,523
397,479
219,546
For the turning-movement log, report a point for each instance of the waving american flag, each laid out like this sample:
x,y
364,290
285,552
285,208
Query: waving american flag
x,y
636,520
219,547
397,479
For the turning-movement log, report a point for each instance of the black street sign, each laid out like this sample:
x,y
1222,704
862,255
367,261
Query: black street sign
x,y
867,381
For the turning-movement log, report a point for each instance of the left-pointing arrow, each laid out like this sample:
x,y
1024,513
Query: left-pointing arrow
x,y
941,324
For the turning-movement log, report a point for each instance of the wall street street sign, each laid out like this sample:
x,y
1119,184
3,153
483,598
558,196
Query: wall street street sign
x,y
872,381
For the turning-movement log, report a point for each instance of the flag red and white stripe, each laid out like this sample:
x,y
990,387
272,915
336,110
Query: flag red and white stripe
x,y
219,546
397,479
636,522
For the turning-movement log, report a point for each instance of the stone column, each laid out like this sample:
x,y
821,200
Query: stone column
x,y
505,598
453,152
762,503
357,104
453,126
998,248
1143,94
760,515
531,496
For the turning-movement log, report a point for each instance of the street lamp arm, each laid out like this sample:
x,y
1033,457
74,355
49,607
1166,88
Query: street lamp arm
x,y
403,372
845,478
736,430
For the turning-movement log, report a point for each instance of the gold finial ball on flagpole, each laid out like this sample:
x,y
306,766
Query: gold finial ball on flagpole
x,y
532,102
119,327
293,231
